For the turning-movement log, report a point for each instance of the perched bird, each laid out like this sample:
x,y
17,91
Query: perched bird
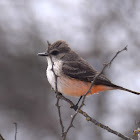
x,y
74,74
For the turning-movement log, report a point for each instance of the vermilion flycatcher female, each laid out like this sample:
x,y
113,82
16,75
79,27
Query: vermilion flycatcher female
x,y
74,74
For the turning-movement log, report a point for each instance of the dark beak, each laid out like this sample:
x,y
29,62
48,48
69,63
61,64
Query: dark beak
x,y
42,54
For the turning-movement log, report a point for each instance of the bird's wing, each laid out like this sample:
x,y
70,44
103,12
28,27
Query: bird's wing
x,y
81,70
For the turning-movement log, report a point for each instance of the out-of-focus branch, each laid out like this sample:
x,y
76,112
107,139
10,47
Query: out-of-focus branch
x,y
15,138
15,130
1,137
137,133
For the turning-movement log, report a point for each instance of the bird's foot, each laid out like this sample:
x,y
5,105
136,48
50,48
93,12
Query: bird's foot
x,y
75,107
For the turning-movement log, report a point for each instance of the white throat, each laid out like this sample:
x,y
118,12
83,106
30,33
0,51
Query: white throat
x,y
57,67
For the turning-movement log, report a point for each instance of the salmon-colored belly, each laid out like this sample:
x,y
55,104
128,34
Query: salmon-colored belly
x,y
73,87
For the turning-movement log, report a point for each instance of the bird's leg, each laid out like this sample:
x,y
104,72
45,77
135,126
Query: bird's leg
x,y
79,100
75,107
57,94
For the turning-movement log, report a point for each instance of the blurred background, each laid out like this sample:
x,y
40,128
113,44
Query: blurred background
x,y
96,30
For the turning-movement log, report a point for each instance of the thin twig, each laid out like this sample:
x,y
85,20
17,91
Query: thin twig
x,y
56,76
15,130
57,96
98,74
70,126
60,118
124,49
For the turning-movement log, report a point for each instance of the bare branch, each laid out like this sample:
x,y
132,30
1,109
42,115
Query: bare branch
x,y
60,118
88,118
15,130
124,49
70,126
57,96
97,75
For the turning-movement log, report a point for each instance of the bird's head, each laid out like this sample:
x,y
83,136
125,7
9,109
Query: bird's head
x,y
57,50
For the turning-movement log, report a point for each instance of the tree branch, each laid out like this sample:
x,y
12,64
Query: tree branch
x,y
59,113
124,49
97,75
70,126
57,96
88,118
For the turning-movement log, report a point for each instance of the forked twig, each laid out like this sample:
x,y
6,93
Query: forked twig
x,y
90,119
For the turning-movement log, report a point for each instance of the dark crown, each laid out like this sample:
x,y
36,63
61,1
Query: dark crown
x,y
60,45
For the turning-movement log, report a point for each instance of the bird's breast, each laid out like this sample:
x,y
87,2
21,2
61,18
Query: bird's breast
x,y
51,69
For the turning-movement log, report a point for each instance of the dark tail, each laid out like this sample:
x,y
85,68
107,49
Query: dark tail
x,y
109,84
125,89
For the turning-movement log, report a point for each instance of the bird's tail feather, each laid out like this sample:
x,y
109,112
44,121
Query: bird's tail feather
x,y
125,89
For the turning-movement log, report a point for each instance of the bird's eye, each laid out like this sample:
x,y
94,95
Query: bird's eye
x,y
54,52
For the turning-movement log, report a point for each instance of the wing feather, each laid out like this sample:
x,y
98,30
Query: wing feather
x,y
81,70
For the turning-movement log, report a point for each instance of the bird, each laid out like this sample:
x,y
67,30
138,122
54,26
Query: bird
x,y
71,75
